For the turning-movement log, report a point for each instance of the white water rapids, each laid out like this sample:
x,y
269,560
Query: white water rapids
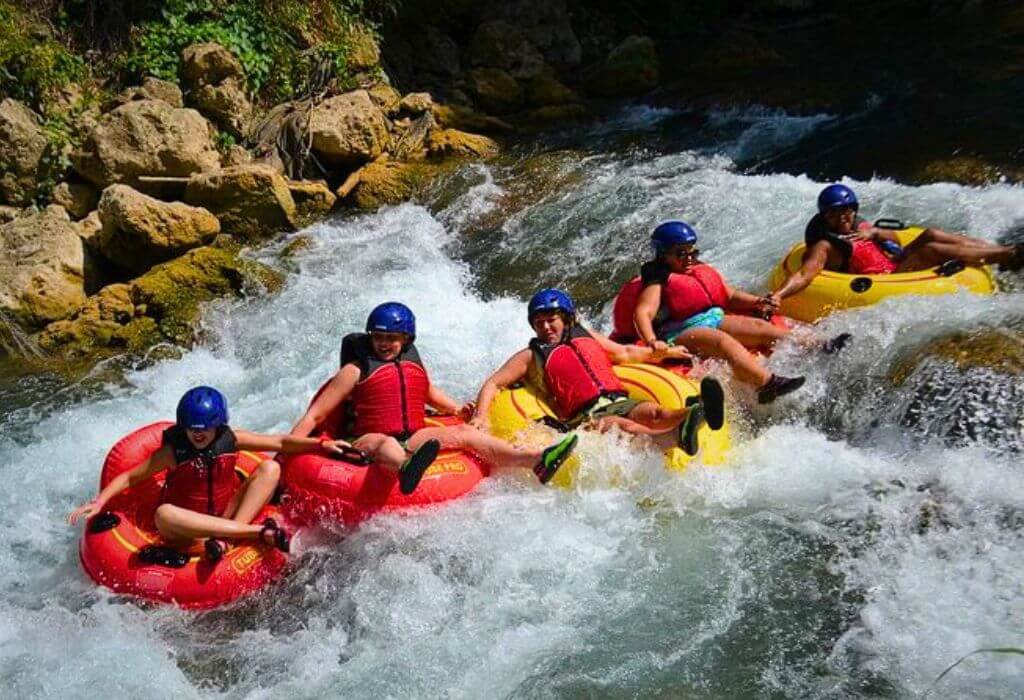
x,y
838,553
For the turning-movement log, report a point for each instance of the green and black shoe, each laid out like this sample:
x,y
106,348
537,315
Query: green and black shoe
x,y
554,457
411,471
708,408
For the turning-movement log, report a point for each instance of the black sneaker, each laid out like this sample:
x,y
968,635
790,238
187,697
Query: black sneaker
x,y
214,549
411,471
778,386
554,457
712,397
689,427
834,345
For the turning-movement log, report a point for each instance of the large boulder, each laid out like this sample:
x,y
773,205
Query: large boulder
x,y
546,24
386,97
349,129
147,137
499,44
495,90
545,90
22,145
151,89
387,182
631,68
417,103
140,231
162,305
313,198
216,87
463,118
76,197
251,201
42,267
209,64
443,143
226,104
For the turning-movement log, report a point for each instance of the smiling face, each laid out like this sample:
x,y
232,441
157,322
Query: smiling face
x,y
549,326
842,220
680,257
200,438
388,346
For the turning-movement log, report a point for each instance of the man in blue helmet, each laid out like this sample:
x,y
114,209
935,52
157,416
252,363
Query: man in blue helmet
x,y
201,497
840,241
680,301
388,386
575,365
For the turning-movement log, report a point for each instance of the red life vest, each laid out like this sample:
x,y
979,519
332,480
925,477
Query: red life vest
x,y
687,294
694,291
577,371
202,480
391,396
867,258
623,326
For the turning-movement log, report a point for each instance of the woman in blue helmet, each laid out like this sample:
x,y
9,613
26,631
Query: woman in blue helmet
x,y
575,364
840,241
382,374
201,497
679,301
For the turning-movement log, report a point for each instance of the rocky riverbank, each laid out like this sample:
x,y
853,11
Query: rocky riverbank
x,y
115,193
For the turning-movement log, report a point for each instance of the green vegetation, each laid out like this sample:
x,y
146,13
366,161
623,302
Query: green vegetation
x,y
34,66
283,45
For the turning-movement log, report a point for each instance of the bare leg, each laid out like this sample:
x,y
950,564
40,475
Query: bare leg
x,y
383,449
492,449
181,525
752,332
708,342
255,493
934,247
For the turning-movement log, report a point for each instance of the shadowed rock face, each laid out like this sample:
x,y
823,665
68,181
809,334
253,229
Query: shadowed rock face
x,y
21,148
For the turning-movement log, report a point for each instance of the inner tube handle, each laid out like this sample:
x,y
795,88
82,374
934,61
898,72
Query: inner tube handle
x,y
890,224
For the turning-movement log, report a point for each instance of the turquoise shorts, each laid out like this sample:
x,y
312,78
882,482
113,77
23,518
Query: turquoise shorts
x,y
712,318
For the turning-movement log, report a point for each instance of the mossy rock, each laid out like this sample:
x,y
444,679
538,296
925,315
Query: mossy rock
x,y
161,306
965,170
997,349
390,182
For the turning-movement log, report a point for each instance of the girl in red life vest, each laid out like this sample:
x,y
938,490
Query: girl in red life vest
x,y
838,240
684,302
390,388
576,367
202,497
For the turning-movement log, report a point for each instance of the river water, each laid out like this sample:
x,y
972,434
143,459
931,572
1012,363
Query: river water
x,y
865,533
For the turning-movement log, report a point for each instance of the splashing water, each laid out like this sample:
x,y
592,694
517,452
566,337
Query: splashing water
x,y
836,554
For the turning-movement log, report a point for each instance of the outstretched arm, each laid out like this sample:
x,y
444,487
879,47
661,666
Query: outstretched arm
x,y
288,444
339,388
442,402
512,371
814,262
155,463
621,354
747,303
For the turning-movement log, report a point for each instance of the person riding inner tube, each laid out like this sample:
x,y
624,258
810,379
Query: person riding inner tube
x,y
683,302
575,364
839,241
390,389
201,497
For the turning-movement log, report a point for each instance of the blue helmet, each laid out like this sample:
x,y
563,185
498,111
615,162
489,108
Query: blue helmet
x,y
550,300
392,317
202,408
837,197
672,233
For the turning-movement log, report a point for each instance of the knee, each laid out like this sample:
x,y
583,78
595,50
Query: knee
x,y
164,515
929,235
269,469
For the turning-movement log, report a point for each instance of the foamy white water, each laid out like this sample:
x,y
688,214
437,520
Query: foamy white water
x,y
837,554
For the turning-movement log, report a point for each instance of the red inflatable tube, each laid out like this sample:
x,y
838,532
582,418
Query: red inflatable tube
x,y
112,539
318,487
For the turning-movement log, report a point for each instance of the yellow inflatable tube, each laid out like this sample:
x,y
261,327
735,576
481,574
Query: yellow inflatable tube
x,y
835,291
515,409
